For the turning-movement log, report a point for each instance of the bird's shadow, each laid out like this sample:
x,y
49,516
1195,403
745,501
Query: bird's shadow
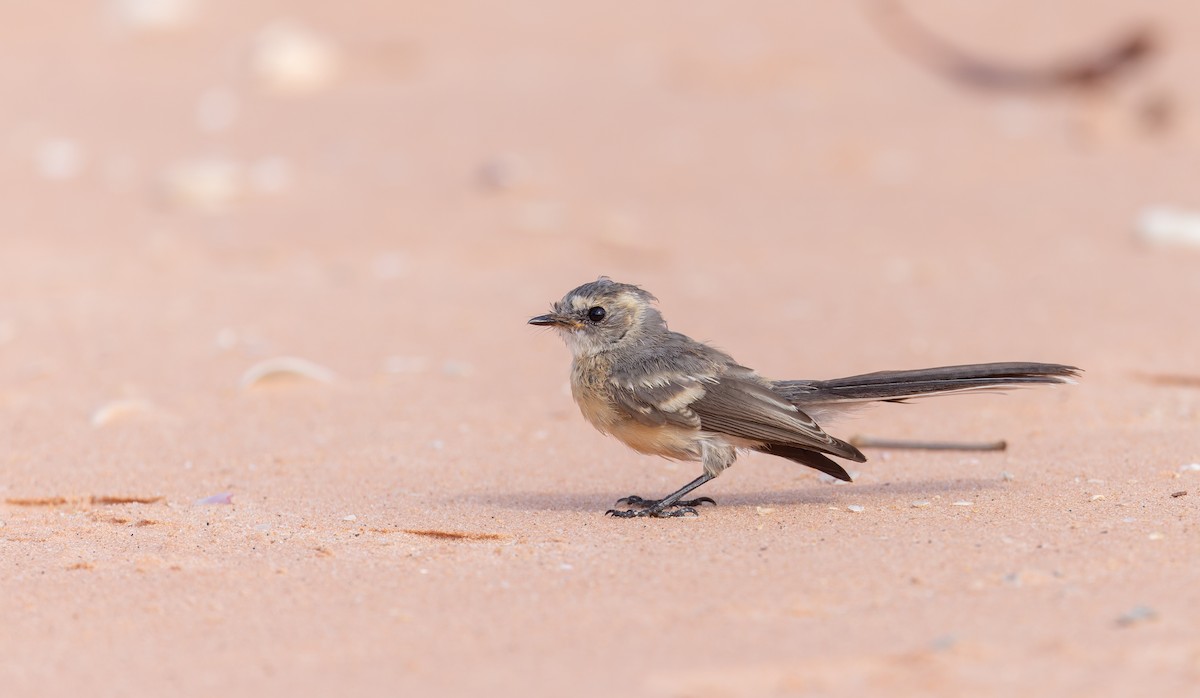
x,y
799,496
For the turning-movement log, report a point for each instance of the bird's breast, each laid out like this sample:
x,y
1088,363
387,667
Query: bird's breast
x,y
589,387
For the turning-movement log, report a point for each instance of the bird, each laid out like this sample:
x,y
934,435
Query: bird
x,y
663,393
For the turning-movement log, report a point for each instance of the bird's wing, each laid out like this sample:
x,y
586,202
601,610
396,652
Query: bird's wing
x,y
739,405
726,399
660,399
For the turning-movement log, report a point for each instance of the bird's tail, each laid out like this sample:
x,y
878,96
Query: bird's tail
x,y
898,386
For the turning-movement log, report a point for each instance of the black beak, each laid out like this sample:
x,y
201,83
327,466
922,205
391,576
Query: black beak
x,y
545,320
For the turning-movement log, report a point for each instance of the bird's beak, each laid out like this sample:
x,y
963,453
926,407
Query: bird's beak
x,y
551,320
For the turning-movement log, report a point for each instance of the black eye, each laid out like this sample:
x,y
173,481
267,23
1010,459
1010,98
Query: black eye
x,y
596,314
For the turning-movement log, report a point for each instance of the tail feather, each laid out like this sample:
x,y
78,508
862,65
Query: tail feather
x,y
810,458
896,386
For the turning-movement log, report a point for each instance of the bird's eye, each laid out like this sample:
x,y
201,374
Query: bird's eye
x,y
596,314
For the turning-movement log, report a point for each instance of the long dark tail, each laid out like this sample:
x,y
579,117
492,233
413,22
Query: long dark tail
x,y
898,386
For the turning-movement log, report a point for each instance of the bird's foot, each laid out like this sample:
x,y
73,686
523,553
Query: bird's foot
x,y
635,501
655,508
656,512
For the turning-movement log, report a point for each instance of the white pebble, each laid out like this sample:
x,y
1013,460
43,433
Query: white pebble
x,y
921,504
856,508
59,159
288,57
1190,467
154,15
350,517
962,503
118,410
286,367
1096,498
1163,225
209,185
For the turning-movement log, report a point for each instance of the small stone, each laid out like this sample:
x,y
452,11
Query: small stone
x,y
1007,476
291,58
1137,614
59,159
1180,493
1096,498
765,511
856,508
962,503
1190,468
350,517
1165,226
920,504
1156,536
209,185
154,15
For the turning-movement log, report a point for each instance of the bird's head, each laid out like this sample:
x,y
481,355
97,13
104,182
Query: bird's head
x,y
603,315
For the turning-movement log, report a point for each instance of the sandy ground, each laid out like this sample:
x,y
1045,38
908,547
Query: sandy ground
x,y
390,189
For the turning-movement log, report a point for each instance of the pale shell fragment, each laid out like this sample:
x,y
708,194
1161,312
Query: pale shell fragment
x,y
286,367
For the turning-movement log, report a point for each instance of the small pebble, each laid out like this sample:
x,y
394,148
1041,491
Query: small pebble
x,y
350,517
962,503
1165,226
59,159
1096,497
856,508
154,15
921,504
1137,614
765,511
1156,536
1190,467
1007,476
290,58
1180,493
222,498
285,367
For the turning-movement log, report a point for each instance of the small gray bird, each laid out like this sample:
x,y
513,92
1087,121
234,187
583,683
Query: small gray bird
x,y
665,394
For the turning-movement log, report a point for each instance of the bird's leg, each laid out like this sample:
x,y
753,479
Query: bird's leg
x,y
668,506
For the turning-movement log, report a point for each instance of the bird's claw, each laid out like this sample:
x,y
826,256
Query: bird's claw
x,y
636,501
658,513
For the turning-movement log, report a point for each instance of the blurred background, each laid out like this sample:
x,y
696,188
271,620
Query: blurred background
x,y
387,190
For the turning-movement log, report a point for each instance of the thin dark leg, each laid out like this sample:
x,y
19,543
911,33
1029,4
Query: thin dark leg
x,y
657,508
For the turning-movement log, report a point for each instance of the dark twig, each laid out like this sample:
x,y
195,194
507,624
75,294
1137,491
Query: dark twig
x,y
1086,72
872,442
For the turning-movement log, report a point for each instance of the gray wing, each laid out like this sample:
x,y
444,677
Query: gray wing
x,y
739,405
698,392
